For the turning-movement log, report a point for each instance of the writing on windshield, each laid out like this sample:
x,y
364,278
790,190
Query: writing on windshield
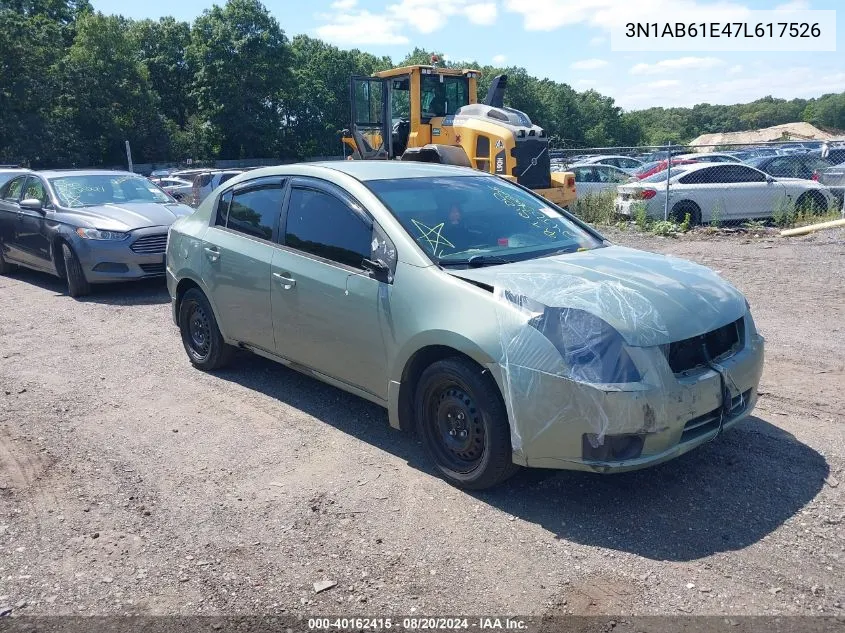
x,y
90,190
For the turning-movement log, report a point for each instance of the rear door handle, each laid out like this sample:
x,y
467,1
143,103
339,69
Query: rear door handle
x,y
212,253
286,282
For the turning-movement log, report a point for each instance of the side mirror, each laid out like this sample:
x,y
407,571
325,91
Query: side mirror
x,y
33,204
378,268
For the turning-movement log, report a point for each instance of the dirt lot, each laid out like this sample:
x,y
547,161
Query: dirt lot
x,y
132,483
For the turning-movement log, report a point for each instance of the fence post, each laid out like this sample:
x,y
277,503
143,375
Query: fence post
x,y
668,175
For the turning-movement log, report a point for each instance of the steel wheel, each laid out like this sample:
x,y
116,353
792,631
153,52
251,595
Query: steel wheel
x,y
199,330
200,334
455,426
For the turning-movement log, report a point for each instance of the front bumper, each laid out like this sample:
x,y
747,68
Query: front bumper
x,y
106,261
552,417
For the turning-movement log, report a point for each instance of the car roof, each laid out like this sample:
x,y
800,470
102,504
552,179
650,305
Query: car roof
x,y
389,169
585,164
55,173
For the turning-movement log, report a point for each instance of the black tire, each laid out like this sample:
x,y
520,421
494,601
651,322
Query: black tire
x,y
77,285
680,210
812,201
5,267
200,334
473,451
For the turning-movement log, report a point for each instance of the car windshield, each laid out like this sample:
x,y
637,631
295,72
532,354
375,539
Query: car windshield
x,y
479,220
96,189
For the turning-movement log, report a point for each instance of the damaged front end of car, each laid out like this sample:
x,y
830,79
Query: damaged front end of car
x,y
600,376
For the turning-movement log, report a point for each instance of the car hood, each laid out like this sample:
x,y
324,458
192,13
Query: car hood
x,y
649,299
129,216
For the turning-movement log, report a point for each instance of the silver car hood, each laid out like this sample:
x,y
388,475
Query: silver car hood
x,y
129,216
649,299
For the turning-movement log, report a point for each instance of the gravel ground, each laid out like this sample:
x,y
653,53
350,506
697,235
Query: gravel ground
x,y
132,483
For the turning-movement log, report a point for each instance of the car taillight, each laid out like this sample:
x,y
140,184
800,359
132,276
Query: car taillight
x,y
648,194
816,176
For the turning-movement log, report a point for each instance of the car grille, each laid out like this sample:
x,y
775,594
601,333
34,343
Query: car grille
x,y
697,351
533,165
152,269
150,244
704,424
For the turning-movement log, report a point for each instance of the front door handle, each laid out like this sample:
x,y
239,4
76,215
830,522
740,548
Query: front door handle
x,y
212,253
286,282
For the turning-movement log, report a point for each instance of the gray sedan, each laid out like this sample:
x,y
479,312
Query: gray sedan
x,y
86,226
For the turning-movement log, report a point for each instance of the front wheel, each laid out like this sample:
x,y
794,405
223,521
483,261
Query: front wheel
x,y
77,285
463,424
200,333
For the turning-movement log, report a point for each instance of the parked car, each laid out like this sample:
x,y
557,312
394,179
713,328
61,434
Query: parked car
x,y
180,189
649,169
803,166
723,191
623,162
834,179
595,178
835,155
206,182
709,157
85,226
161,173
499,327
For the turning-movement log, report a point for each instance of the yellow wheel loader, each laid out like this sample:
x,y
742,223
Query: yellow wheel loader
x,y
432,114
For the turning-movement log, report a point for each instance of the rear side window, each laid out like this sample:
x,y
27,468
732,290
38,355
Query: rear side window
x,y
226,177
255,211
13,189
323,225
202,180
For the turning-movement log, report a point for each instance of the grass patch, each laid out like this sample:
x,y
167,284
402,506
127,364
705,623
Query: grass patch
x,y
597,208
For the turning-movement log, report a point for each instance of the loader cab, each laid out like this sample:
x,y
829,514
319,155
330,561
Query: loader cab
x,y
407,107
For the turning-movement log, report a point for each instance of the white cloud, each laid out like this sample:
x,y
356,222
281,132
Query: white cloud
x,y
548,15
733,70
499,59
362,28
353,26
681,64
481,13
598,40
663,83
588,64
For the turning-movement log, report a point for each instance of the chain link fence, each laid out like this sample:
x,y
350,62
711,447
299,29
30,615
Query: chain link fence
x,y
673,188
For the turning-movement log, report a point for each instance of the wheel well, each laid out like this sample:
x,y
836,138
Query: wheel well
x,y
181,288
416,365
816,196
58,256
694,210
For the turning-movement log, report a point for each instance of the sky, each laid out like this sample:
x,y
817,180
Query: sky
x,y
563,40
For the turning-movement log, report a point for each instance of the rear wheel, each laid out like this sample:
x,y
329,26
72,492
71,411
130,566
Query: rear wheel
x,y
463,423
812,203
200,333
684,207
77,285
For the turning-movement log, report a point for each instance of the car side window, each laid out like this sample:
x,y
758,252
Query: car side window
x,y
223,209
702,176
323,225
13,189
255,211
738,173
781,166
581,173
35,189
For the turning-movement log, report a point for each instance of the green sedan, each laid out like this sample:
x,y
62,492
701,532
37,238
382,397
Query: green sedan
x,y
497,326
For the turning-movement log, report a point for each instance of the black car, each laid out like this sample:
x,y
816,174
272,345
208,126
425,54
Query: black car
x,y
806,166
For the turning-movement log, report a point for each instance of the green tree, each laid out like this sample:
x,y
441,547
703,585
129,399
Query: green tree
x,y
241,62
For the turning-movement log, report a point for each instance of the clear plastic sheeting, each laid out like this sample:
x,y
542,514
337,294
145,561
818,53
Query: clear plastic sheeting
x,y
584,363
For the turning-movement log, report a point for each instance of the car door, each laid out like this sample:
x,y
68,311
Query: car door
x,y
750,192
31,231
238,251
9,211
326,306
705,187
586,180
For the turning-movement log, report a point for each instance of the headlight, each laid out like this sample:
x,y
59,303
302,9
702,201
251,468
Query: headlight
x,y
97,234
592,350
